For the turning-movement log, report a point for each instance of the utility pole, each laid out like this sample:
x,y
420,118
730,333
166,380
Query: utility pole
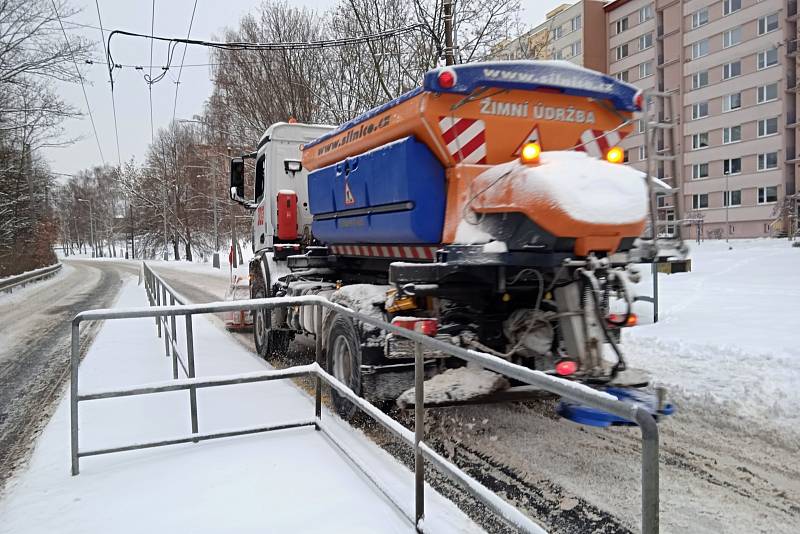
x,y
91,225
449,52
234,262
215,258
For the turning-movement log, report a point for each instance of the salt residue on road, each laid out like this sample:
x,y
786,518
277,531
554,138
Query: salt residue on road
x,y
286,481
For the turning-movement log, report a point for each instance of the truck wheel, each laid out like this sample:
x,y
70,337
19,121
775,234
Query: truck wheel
x,y
261,325
344,363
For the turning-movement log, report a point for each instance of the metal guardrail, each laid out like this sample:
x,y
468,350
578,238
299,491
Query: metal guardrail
x,y
13,281
570,390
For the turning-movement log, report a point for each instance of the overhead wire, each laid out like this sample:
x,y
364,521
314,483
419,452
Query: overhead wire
x,y
172,43
111,81
180,70
80,79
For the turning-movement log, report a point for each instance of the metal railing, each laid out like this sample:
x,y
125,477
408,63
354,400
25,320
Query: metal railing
x,y
13,281
422,452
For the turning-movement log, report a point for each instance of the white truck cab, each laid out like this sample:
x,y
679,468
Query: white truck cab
x,y
278,170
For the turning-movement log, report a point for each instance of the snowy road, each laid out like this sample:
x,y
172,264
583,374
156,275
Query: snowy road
x,y
729,458
34,347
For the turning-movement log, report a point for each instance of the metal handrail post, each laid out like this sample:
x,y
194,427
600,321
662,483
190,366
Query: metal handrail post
x,y
175,339
419,430
74,360
190,357
158,304
164,319
317,379
650,474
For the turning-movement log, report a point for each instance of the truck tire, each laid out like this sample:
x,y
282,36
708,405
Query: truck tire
x,y
269,342
261,324
344,363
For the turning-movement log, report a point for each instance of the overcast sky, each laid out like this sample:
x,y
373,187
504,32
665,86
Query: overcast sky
x,y
133,116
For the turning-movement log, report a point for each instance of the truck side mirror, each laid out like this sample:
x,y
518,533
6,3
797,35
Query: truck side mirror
x,y
237,179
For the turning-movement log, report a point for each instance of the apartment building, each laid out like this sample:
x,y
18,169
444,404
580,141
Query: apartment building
x,y
564,34
731,66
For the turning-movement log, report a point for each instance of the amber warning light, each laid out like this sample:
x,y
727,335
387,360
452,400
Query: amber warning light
x,y
615,155
530,153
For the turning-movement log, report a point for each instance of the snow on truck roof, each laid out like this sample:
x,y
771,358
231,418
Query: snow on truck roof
x,y
528,75
287,131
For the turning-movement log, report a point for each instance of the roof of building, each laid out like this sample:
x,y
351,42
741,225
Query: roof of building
x,y
614,5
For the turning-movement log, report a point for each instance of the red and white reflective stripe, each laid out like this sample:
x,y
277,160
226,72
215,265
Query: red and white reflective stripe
x,y
597,142
413,252
465,138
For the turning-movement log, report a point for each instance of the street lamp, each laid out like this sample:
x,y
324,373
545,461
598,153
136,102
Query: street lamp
x,y
91,224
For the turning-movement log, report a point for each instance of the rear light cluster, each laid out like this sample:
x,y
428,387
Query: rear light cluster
x,y
566,367
426,326
615,319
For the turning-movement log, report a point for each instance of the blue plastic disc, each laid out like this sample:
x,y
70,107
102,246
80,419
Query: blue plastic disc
x,y
593,417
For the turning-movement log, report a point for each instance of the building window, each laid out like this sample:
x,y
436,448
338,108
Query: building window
x,y
732,198
731,70
622,25
768,23
732,37
626,155
622,75
575,23
768,194
731,6
699,79
731,134
732,102
642,152
570,51
699,110
768,161
645,69
767,127
767,58
767,93
699,170
645,41
732,166
646,13
639,125
700,201
699,18
557,32
622,51
700,140
700,48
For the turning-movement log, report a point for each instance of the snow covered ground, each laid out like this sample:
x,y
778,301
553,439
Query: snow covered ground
x,y
728,331
286,481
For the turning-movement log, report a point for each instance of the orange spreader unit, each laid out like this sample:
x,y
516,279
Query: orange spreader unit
x,y
485,118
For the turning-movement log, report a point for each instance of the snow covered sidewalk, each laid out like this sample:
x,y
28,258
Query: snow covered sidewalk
x,y
284,481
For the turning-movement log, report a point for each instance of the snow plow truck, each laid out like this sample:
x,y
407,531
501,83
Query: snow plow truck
x,y
488,208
